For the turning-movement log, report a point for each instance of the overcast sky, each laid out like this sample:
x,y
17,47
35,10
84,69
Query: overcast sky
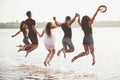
x,y
44,10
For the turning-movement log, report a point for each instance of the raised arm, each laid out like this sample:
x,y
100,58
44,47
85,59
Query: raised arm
x,y
53,27
93,18
79,20
73,20
57,24
16,34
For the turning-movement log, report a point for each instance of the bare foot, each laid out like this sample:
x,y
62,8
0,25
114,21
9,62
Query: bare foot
x,y
93,63
64,55
64,52
20,50
73,59
27,52
48,63
45,64
58,53
26,55
19,45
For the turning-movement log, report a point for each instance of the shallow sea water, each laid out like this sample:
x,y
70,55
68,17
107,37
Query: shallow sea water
x,y
14,66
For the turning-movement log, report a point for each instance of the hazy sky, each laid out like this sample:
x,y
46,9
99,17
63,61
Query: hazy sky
x,y
44,10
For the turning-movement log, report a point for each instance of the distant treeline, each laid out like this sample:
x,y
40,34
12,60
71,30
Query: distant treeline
x,y
107,24
15,25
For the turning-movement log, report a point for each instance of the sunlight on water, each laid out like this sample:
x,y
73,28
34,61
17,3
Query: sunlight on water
x,y
14,66
37,73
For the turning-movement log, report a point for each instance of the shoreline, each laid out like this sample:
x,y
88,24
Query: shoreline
x,y
15,25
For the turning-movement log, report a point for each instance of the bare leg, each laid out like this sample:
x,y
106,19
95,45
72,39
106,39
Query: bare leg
x,y
92,53
45,62
52,54
19,45
69,50
81,54
58,53
50,58
22,48
33,47
64,52
47,58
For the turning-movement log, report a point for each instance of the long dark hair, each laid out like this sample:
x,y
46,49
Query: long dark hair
x,y
48,29
85,22
22,28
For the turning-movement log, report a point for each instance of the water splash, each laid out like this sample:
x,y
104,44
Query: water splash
x,y
32,72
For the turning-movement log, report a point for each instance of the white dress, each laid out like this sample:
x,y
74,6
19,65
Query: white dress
x,y
49,41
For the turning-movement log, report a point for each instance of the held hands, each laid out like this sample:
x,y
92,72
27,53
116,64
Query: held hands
x,y
54,18
40,35
77,15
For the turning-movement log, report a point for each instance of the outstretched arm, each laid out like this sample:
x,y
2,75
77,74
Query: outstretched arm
x,y
16,34
43,32
35,30
93,18
53,27
57,24
73,20
79,20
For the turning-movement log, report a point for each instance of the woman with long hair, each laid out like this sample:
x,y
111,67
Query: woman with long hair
x,y
86,25
49,42
24,29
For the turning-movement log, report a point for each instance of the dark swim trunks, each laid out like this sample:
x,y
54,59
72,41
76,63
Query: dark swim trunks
x,y
33,39
67,43
25,40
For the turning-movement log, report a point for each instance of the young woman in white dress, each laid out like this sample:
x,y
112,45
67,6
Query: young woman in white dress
x,y
49,42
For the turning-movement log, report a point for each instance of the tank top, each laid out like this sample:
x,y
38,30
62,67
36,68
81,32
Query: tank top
x,y
87,30
67,30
